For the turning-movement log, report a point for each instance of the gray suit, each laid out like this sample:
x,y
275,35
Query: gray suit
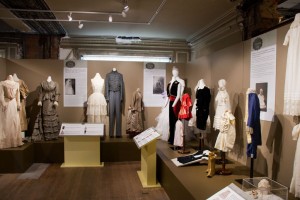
x,y
114,91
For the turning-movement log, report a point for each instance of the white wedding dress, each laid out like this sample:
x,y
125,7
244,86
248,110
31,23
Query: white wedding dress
x,y
97,106
292,80
162,126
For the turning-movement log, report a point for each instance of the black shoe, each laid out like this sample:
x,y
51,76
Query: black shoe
x,y
118,136
111,136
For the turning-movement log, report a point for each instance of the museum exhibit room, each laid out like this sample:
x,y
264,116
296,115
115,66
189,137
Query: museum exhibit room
x,y
149,100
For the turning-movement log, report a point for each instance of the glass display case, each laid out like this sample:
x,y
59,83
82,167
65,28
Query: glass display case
x,y
263,188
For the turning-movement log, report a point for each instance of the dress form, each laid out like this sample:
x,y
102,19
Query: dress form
x,y
15,77
97,76
200,85
10,133
225,107
49,79
10,78
175,89
180,89
202,111
97,105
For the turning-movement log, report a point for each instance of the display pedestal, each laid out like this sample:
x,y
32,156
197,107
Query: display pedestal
x,y
82,151
82,144
147,174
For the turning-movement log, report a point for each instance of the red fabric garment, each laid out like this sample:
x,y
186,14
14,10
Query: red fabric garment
x,y
177,107
185,109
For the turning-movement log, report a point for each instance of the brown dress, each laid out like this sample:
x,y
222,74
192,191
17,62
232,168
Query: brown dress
x,y
24,91
47,123
134,118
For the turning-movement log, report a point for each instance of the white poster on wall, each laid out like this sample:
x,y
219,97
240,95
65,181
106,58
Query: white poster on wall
x,y
263,72
75,83
154,84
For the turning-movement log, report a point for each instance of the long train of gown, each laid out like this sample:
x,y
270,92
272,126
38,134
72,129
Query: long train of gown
x,y
162,126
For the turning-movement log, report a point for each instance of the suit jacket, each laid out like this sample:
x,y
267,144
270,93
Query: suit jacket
x,y
114,82
254,123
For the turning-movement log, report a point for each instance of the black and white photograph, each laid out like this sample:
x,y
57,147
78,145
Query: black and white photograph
x,y
262,93
70,86
158,84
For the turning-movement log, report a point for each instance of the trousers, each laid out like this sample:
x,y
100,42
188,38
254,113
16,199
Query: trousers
x,y
115,112
172,121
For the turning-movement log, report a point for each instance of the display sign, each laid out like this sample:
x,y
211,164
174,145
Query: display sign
x,y
75,83
146,137
231,192
154,84
70,129
263,72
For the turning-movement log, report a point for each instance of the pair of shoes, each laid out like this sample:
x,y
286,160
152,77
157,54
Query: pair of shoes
x,y
118,136
111,136
211,168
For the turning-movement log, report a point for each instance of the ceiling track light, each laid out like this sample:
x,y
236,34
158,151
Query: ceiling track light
x,y
70,16
126,7
110,18
80,25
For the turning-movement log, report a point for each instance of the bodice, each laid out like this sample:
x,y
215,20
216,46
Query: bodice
x,y
97,85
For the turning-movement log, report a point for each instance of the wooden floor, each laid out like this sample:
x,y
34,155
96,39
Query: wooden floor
x,y
115,181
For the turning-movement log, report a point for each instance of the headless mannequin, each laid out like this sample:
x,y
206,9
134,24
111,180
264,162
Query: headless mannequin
x,y
200,85
49,79
223,170
173,114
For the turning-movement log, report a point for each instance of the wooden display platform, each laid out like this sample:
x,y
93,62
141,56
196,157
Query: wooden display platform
x,y
16,160
190,182
119,150
49,151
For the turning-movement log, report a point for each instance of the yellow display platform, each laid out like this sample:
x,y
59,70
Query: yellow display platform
x,y
82,151
147,174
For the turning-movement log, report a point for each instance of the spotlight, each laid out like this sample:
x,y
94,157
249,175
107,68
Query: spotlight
x,y
126,8
110,19
124,14
80,26
70,17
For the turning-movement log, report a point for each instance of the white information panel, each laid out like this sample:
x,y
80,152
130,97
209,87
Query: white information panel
x,y
71,129
231,192
146,137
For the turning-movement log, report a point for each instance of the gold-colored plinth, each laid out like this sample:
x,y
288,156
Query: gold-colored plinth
x,y
144,181
82,151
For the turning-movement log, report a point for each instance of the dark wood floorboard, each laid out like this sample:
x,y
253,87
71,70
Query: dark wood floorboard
x,y
115,181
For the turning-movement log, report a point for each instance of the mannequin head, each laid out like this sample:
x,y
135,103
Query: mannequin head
x,y
222,84
175,72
